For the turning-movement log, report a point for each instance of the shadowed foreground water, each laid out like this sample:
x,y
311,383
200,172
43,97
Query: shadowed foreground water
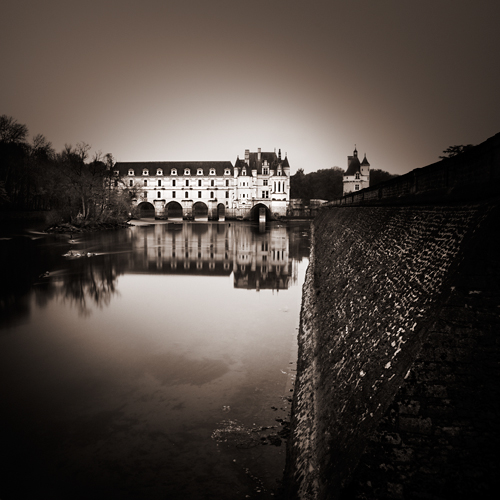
x,y
151,362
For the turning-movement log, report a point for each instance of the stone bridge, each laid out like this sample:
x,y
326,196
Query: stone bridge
x,y
201,210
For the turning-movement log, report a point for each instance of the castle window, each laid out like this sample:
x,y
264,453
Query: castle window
x,y
211,194
357,175
173,171
227,194
265,171
145,172
187,182
199,182
243,172
227,172
212,182
117,172
130,182
145,182
265,182
200,171
159,194
159,172
356,187
199,194
187,171
116,183
131,172
279,172
159,183
227,182
186,195
212,171
173,194
173,183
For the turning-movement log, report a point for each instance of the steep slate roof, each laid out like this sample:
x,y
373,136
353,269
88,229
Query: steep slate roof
x,y
254,164
167,166
365,161
353,165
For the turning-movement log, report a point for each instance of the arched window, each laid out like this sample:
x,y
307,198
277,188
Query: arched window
x,y
159,194
173,171
211,194
159,172
187,171
159,182
145,182
212,182
145,172
186,195
200,171
212,171
131,172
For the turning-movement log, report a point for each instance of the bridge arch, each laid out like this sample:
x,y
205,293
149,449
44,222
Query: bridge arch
x,y
255,212
200,211
146,210
174,210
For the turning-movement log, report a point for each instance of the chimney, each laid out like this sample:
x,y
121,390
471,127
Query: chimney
x,y
258,154
279,154
247,156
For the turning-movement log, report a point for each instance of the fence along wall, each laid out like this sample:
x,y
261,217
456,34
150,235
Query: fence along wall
x,y
469,176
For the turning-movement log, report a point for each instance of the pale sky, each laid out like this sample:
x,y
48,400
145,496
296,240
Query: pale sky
x,y
168,80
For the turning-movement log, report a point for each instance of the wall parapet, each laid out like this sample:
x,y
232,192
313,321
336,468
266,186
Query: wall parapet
x,y
472,175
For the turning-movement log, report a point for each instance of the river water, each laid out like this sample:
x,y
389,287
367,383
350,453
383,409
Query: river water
x,y
151,362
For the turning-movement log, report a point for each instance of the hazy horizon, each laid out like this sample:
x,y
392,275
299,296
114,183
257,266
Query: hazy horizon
x,y
205,80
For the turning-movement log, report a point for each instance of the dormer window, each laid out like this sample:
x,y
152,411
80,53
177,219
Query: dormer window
x,y
159,172
187,171
130,172
117,172
145,172
279,172
357,175
243,172
200,171
212,171
227,172
265,171
173,171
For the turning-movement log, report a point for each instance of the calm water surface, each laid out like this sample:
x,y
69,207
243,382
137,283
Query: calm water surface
x,y
159,364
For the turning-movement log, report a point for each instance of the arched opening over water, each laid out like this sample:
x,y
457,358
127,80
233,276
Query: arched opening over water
x,y
200,211
146,210
174,211
256,210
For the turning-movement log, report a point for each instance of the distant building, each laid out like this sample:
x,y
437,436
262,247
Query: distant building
x,y
357,175
210,190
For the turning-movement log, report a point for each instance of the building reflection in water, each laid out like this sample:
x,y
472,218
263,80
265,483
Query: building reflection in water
x,y
258,259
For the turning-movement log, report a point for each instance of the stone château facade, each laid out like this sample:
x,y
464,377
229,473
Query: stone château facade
x,y
210,190
357,175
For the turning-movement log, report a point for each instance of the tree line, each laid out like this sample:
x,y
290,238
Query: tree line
x,y
327,184
70,183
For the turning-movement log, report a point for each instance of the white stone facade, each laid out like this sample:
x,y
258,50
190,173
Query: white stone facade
x,y
210,190
357,175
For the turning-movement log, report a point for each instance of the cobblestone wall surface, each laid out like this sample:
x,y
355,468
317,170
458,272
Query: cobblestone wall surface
x,y
397,385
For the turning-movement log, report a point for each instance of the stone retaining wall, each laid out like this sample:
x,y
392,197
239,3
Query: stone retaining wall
x,y
397,384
